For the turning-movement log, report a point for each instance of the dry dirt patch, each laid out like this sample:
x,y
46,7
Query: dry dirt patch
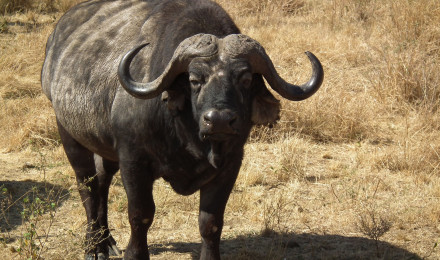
x,y
311,214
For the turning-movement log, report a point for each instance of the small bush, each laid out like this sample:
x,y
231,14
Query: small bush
x,y
374,225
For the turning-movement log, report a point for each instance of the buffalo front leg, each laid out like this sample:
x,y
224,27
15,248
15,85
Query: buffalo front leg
x,y
213,199
138,185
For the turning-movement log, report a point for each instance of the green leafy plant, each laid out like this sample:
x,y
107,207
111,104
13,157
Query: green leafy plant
x,y
37,206
35,211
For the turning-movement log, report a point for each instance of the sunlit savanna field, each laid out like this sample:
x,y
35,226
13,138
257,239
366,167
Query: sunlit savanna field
x,y
350,173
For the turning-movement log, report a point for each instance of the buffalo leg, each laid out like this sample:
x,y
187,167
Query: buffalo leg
x,y
105,171
83,163
213,199
138,185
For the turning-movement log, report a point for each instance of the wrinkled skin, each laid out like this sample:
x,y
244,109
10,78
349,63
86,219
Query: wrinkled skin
x,y
190,130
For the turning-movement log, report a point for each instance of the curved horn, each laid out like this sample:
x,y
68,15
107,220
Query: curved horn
x,y
197,45
239,45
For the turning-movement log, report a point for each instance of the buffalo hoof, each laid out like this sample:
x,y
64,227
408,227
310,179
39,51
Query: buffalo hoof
x,y
99,256
89,257
113,250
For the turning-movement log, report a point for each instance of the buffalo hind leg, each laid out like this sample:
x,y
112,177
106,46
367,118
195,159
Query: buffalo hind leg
x,y
90,189
105,171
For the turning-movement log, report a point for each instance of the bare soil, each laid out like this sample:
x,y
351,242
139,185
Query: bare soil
x,y
310,216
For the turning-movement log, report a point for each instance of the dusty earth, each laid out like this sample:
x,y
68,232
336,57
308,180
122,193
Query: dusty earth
x,y
313,214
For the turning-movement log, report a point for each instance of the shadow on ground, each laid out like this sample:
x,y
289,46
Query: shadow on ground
x,y
291,246
16,196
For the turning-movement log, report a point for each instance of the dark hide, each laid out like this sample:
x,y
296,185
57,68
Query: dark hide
x,y
192,135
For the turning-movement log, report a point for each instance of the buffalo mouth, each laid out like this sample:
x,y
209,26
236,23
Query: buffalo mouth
x,y
218,145
217,137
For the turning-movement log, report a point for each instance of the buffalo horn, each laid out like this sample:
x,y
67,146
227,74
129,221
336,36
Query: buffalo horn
x,y
196,46
242,46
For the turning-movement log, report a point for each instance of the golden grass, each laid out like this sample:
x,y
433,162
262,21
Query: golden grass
x,y
380,62
368,141
43,6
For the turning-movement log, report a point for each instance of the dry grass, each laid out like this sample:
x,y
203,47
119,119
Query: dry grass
x,y
41,6
369,139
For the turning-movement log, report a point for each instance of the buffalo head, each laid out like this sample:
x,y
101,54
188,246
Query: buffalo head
x,y
227,92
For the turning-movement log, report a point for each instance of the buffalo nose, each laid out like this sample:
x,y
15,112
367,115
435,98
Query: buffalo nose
x,y
219,121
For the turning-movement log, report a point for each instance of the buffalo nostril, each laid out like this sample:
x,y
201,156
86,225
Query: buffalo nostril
x,y
232,119
210,117
219,121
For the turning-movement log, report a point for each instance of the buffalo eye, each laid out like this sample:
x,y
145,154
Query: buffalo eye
x,y
245,80
196,81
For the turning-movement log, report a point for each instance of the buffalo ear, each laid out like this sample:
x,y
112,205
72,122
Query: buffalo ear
x,y
174,97
174,100
265,107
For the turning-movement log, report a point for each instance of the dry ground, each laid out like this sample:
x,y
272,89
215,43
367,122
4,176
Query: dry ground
x,y
351,173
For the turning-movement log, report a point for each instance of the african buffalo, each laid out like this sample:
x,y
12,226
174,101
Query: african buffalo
x,y
158,88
